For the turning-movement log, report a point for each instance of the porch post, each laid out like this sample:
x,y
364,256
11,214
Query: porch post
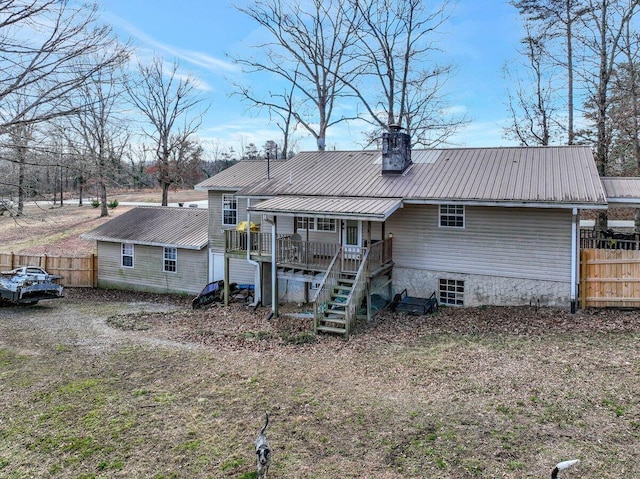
x,y
274,269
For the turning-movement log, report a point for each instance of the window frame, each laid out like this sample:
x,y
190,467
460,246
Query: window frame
x,y
452,216
229,207
311,223
170,260
124,255
451,292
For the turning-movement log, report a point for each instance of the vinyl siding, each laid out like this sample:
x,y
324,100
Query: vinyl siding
x,y
502,242
147,273
216,236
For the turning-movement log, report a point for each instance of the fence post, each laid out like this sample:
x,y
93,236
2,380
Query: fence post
x,y
94,271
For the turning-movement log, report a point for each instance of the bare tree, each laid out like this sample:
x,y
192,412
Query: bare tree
x,y
46,53
310,53
555,21
167,101
398,81
98,130
531,101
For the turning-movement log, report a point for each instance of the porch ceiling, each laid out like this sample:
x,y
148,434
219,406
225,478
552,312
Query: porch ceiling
x,y
366,209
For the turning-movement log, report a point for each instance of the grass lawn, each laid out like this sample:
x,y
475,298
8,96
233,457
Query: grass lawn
x,y
462,394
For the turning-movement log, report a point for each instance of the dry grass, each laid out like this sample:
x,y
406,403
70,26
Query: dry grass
x,y
489,392
109,384
55,230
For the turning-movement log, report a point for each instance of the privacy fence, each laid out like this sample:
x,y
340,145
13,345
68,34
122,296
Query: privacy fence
x,y
75,271
609,269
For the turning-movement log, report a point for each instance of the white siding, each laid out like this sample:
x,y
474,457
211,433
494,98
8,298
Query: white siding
x,y
505,242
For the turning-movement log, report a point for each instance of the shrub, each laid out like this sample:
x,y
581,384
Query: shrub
x,y
113,204
95,203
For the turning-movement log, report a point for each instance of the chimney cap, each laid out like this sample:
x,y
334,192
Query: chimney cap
x,y
395,127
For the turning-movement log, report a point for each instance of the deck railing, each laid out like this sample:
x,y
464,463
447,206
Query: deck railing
x,y
381,253
358,293
294,252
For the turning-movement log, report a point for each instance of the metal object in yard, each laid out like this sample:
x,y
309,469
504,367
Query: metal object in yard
x,y
28,285
213,292
403,303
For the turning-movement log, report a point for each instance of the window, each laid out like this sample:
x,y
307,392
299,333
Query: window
x,y
452,215
313,224
326,224
127,255
451,292
229,210
170,260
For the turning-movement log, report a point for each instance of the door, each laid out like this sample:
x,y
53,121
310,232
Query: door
x,y
216,266
352,238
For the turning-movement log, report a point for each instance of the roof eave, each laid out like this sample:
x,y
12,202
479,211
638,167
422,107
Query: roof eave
x,y
510,203
195,247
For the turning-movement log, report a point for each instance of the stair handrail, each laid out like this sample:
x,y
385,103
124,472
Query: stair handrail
x,y
329,279
357,292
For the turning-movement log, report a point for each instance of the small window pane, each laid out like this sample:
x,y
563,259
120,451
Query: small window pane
x,y
170,260
127,255
229,210
451,292
452,216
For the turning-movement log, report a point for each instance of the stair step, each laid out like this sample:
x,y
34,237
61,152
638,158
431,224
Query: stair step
x,y
339,312
346,281
334,296
339,304
329,329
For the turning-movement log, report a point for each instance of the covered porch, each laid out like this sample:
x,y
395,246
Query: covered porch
x,y
336,247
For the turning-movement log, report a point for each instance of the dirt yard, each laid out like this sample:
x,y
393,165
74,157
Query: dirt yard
x,y
104,384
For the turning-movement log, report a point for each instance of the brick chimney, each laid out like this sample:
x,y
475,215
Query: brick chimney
x,y
396,151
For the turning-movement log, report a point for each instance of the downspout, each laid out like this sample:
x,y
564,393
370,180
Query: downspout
x,y
574,259
257,289
274,269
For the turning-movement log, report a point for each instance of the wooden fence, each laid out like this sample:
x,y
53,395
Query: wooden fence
x,y
76,271
610,277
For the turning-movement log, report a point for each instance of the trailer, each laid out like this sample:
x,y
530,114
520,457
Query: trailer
x,y
28,285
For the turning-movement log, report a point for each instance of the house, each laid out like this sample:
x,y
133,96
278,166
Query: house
x,y
479,226
154,249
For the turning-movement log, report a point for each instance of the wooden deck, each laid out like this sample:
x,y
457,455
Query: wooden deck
x,y
294,253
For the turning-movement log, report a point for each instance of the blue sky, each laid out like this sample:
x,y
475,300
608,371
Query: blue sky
x,y
479,38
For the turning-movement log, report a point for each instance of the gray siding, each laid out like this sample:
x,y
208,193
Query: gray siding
x,y
502,242
216,236
147,274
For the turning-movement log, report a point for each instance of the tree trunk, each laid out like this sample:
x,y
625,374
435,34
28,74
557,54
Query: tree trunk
x,y
104,211
165,193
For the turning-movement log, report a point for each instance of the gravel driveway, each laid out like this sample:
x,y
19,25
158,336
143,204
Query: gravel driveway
x,y
79,320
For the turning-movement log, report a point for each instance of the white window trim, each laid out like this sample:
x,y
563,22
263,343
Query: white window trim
x,y
165,259
231,199
463,215
313,222
122,255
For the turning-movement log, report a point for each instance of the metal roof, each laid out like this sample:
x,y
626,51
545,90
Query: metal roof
x,y
622,190
562,176
185,228
241,174
372,209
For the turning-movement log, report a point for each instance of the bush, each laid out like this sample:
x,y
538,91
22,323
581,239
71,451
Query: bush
x,y
95,203
113,204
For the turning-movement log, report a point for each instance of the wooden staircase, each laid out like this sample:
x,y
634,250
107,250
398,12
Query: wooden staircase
x,y
334,318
